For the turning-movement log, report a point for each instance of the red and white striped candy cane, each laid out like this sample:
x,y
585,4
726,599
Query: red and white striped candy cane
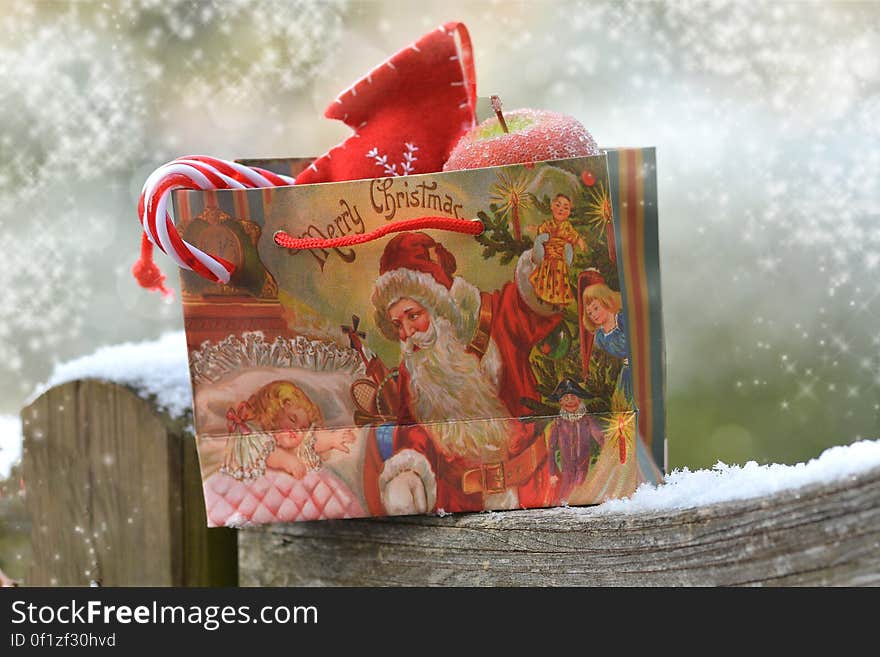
x,y
190,172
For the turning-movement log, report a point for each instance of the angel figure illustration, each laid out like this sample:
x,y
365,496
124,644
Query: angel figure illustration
x,y
291,436
554,247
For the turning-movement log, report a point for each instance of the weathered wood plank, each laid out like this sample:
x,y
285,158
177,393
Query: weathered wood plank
x,y
113,490
819,535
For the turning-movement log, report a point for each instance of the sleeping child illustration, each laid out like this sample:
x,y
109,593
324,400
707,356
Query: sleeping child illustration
x,y
290,435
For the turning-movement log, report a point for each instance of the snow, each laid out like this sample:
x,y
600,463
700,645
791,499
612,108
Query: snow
x,y
10,443
237,521
725,483
156,369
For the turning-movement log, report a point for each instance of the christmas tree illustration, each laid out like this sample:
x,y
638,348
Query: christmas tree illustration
x,y
520,199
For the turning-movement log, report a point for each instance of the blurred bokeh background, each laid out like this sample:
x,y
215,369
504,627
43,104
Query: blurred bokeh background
x,y
765,117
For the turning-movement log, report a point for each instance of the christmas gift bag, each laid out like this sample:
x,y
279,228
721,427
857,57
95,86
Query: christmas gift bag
x,y
371,336
445,367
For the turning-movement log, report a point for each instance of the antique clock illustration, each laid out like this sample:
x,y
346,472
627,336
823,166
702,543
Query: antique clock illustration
x,y
220,240
235,240
249,302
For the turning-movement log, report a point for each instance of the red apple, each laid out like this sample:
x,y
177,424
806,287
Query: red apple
x,y
534,136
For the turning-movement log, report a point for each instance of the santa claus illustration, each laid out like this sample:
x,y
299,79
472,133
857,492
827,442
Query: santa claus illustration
x,y
464,376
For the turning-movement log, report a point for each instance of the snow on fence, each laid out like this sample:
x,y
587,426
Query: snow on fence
x,y
114,490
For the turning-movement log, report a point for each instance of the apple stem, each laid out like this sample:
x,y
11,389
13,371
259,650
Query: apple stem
x,y
496,105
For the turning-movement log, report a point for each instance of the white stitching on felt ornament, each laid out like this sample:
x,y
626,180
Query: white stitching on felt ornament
x,y
391,169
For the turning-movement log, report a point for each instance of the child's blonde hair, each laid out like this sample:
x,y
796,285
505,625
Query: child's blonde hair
x,y
267,402
600,292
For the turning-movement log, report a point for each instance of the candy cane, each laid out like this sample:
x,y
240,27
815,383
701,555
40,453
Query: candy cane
x,y
189,172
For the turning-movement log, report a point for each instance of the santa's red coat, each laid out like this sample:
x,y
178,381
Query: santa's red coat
x,y
515,329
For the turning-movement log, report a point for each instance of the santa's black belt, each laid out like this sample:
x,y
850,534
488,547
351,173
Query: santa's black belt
x,y
491,478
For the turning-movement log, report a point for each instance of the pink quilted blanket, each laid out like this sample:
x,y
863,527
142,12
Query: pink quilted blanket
x,y
278,497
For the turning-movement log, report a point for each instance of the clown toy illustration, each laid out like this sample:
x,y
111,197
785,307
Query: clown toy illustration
x,y
571,439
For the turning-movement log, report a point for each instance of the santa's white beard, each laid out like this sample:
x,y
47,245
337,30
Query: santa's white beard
x,y
447,382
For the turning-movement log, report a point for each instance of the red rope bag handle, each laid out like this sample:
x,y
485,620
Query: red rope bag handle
x,y
465,226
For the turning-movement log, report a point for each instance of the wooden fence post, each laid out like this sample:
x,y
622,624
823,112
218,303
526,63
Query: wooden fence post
x,y
114,494
819,535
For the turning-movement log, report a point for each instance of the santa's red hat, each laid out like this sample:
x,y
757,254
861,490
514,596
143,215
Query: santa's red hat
x,y
589,277
415,266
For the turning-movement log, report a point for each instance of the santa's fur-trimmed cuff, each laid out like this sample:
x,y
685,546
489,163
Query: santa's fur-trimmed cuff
x,y
409,460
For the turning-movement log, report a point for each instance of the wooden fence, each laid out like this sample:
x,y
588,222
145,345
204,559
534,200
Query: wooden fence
x,y
114,492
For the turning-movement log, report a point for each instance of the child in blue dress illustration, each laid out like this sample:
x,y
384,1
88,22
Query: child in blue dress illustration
x,y
602,325
603,317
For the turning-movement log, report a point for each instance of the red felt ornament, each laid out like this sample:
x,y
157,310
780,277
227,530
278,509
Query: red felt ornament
x,y
407,113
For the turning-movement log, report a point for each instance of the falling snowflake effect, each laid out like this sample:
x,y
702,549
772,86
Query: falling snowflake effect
x,y
91,99
63,103
765,118
764,114
260,49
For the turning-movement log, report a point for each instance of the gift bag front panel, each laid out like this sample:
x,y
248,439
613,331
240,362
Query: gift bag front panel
x,y
429,371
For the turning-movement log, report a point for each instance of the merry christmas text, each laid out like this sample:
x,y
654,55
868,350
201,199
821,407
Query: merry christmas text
x,y
388,195
345,223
